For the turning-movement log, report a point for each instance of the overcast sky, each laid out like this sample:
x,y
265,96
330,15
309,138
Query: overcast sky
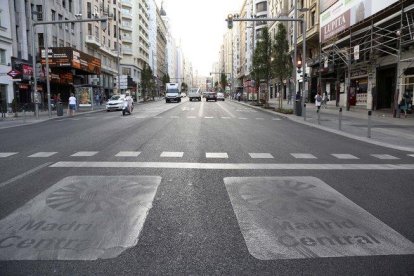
x,y
200,26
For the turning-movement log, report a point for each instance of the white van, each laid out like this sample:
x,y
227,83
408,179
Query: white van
x,y
194,94
172,92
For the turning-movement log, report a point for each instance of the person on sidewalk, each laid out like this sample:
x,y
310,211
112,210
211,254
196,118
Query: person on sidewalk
x,y
72,105
404,103
318,101
325,100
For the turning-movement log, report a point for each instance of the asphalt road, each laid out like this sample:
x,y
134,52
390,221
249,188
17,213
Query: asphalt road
x,y
200,188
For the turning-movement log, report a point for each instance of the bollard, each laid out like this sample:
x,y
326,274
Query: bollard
x,y
304,112
37,110
24,115
340,119
369,124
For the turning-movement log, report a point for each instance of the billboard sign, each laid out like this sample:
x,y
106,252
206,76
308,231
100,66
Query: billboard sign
x,y
345,13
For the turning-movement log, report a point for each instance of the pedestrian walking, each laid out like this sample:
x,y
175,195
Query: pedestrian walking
x,y
72,105
289,98
318,101
325,100
404,104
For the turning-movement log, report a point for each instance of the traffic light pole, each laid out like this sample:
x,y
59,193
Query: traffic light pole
x,y
231,18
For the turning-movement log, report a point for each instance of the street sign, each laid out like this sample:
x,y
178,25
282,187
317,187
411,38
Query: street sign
x,y
14,73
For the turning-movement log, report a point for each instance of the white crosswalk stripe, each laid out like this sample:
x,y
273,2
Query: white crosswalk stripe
x,y
344,156
303,155
384,156
261,155
43,154
216,155
7,154
84,153
172,154
128,154
412,155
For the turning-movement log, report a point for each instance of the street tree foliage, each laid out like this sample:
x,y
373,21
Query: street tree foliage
x,y
223,81
261,69
184,87
216,84
281,61
165,79
147,82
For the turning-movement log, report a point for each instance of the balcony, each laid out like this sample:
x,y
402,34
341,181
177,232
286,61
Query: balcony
x,y
126,3
126,15
126,39
126,27
93,41
127,51
107,50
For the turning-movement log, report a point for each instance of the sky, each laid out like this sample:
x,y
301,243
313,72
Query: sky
x,y
200,26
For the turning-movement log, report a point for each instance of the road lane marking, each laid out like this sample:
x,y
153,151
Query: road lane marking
x,y
384,156
128,153
208,117
79,218
20,176
261,155
172,154
276,119
303,156
43,154
157,117
226,117
242,118
344,156
303,217
191,117
411,155
216,155
231,166
200,111
84,153
226,110
7,154
259,118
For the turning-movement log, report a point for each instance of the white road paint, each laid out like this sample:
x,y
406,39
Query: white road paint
x,y
20,176
200,111
303,217
303,156
226,110
128,153
7,154
172,154
261,155
79,218
208,117
384,156
276,119
216,155
43,154
411,155
84,153
191,117
231,166
344,156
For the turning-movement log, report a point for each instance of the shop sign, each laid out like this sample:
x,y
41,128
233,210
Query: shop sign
x,y
356,52
14,73
335,26
23,86
358,73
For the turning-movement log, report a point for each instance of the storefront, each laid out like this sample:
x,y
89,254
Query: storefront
x,y
68,68
22,85
359,88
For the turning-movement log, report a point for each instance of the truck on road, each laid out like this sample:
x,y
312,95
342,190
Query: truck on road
x,y
172,93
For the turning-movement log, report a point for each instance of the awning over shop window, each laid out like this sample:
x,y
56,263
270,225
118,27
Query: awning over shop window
x,y
68,57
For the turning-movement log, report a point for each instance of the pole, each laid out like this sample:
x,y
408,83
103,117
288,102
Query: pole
x,y
304,62
118,58
295,57
49,110
34,89
340,119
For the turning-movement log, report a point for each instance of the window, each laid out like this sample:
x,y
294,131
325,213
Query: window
x,y
40,39
261,7
53,15
60,18
72,27
54,41
312,18
114,31
89,29
89,9
1,11
67,25
70,6
64,3
2,56
39,10
96,32
61,44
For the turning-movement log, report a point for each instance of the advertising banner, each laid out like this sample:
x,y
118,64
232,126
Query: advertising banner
x,y
84,96
345,13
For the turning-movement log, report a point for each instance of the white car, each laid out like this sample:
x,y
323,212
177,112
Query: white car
x,y
220,97
116,102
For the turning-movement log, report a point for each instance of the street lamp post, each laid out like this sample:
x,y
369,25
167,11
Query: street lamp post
x,y
33,25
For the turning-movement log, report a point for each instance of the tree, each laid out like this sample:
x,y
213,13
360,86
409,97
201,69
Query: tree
x,y
281,60
147,81
262,69
216,84
223,81
184,87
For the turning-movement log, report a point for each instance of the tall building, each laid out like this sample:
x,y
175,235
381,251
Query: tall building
x,y
6,52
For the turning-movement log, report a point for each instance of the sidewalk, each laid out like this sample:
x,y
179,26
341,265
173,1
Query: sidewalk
x,y
385,130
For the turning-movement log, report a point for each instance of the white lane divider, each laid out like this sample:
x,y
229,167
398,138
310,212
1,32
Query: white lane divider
x,y
216,155
172,154
84,153
128,154
384,156
43,154
344,156
261,155
303,156
303,217
7,154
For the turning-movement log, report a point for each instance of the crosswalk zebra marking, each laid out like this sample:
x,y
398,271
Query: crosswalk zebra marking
x,y
344,156
384,156
411,155
43,154
7,154
208,117
172,154
216,155
261,155
128,154
303,155
84,153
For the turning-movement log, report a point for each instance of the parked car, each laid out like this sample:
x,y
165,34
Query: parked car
x,y
194,94
116,102
220,97
210,96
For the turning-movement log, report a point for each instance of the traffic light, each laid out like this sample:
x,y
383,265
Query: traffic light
x,y
230,21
